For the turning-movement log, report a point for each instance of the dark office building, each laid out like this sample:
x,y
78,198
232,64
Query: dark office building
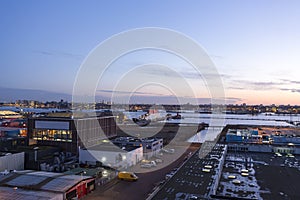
x,y
70,131
12,138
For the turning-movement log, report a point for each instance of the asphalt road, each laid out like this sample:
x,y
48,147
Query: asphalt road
x,y
140,189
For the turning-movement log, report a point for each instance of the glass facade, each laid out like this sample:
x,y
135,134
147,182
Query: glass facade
x,y
52,135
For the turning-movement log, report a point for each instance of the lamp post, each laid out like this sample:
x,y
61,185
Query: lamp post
x,y
81,173
36,156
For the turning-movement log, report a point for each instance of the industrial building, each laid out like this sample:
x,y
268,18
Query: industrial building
x,y
69,131
121,152
151,146
283,138
244,135
102,175
44,185
109,154
12,138
267,139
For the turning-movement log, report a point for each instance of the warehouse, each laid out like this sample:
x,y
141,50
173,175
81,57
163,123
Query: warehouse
x,y
44,185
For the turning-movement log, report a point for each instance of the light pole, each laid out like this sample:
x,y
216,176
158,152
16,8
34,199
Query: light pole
x,y
36,156
81,173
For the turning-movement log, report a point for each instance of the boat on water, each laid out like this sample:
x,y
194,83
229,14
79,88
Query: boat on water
x,y
141,121
170,116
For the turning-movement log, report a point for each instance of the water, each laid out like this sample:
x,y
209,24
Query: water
x,y
230,119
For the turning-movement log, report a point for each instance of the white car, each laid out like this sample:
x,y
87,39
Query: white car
x,y
169,175
168,150
147,165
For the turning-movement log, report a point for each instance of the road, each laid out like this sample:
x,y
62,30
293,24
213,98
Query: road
x,y
140,189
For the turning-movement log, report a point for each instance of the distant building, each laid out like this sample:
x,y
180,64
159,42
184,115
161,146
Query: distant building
x,y
12,138
70,131
245,136
264,140
286,139
254,136
7,114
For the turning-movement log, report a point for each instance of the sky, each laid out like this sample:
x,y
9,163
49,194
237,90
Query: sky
x,y
254,45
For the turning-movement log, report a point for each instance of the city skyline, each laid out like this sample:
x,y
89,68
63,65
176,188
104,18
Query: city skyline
x,y
253,44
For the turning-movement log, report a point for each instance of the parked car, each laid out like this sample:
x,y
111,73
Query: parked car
x,y
168,150
149,164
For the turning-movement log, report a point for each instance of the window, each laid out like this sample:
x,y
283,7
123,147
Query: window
x,y
52,135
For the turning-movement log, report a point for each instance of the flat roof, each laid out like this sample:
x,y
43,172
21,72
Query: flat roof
x,y
113,147
4,128
8,153
135,139
74,115
87,171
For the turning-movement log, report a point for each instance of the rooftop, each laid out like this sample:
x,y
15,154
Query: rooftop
x,y
39,180
7,153
135,139
77,114
86,171
17,193
109,146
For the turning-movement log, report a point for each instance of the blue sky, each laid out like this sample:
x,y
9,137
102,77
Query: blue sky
x,y
255,45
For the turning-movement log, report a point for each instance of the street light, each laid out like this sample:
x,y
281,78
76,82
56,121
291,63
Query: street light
x,y
36,156
81,173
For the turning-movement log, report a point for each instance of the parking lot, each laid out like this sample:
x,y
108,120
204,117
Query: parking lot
x,y
195,179
269,176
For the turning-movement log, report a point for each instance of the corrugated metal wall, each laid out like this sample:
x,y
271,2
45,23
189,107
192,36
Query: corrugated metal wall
x,y
12,162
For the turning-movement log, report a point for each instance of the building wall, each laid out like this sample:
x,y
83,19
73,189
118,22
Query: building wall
x,y
263,148
151,147
233,138
250,148
112,158
91,131
12,162
285,139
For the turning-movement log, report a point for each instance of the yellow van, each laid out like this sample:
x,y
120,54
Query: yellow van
x,y
128,176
